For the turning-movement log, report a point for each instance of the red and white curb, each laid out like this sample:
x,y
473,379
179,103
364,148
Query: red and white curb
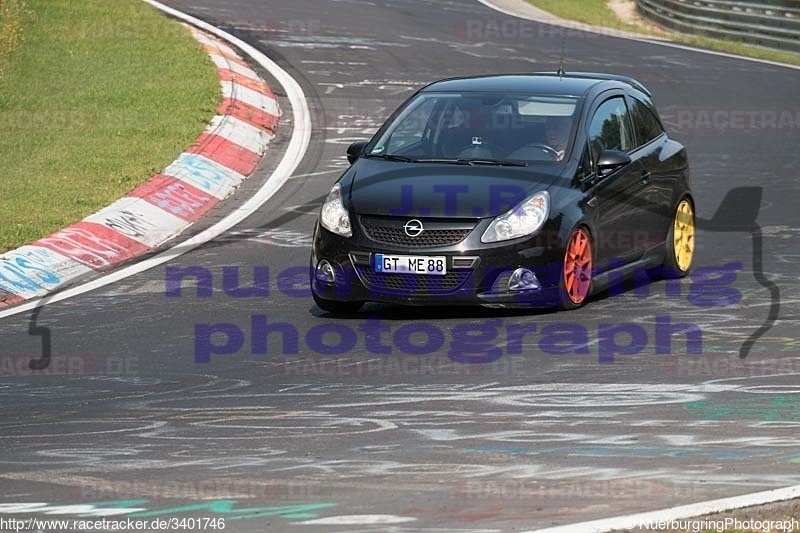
x,y
211,169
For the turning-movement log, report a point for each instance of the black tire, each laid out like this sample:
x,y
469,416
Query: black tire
x,y
337,307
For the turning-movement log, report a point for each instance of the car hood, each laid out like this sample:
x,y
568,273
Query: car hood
x,y
390,188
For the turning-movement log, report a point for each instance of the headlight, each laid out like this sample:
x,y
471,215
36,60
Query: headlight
x,y
334,215
522,220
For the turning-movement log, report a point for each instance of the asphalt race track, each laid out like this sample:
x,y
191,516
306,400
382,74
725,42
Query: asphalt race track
x,y
301,439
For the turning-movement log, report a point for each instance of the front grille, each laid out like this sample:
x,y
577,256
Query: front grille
x,y
438,232
410,284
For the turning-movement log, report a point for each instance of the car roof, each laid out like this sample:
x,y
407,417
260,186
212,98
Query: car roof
x,y
542,83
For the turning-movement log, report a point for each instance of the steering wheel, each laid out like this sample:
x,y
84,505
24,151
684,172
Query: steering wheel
x,y
546,148
524,152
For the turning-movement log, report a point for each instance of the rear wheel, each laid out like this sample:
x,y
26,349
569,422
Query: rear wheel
x,y
336,306
680,242
576,274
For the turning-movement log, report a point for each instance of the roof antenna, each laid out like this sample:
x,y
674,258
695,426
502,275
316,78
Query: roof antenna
x,y
560,70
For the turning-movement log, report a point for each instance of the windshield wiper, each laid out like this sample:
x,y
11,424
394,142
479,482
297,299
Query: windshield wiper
x,y
449,160
497,162
393,157
464,161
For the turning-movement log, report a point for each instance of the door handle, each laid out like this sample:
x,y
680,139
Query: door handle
x,y
645,177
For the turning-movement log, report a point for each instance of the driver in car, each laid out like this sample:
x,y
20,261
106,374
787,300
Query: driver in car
x,y
557,133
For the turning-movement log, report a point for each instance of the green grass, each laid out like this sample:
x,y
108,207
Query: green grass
x,y
12,14
597,13
100,95
594,12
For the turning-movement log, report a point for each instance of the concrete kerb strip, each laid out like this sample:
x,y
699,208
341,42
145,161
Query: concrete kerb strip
x,y
210,170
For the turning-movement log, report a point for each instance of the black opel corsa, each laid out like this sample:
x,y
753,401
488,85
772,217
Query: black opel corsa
x,y
506,191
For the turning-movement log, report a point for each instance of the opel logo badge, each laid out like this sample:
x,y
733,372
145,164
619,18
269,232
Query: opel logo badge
x,y
413,228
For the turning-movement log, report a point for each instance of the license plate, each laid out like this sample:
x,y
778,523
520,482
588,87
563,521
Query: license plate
x,y
411,264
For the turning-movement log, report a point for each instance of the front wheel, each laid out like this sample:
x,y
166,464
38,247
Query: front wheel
x,y
576,272
337,307
679,249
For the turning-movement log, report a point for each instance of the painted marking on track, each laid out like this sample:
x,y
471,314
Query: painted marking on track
x,y
79,430
30,270
327,425
204,174
94,245
358,520
176,197
80,509
138,220
277,237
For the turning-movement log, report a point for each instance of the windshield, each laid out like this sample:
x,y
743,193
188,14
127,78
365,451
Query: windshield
x,y
479,127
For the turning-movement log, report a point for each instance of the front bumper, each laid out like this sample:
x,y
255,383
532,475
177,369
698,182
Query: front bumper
x,y
477,273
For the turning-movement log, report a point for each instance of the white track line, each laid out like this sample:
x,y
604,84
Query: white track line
x,y
676,513
558,21
295,151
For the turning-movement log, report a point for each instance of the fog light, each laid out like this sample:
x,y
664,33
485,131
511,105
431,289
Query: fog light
x,y
523,280
324,272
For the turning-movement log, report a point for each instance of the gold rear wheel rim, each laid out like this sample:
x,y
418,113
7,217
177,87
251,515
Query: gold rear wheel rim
x,y
683,235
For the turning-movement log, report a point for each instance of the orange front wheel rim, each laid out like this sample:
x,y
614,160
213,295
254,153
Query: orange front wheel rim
x,y
578,266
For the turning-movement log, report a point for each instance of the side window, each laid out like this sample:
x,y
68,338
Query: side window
x,y
610,128
647,124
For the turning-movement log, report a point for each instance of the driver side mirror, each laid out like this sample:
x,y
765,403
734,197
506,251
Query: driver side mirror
x,y
610,160
355,150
